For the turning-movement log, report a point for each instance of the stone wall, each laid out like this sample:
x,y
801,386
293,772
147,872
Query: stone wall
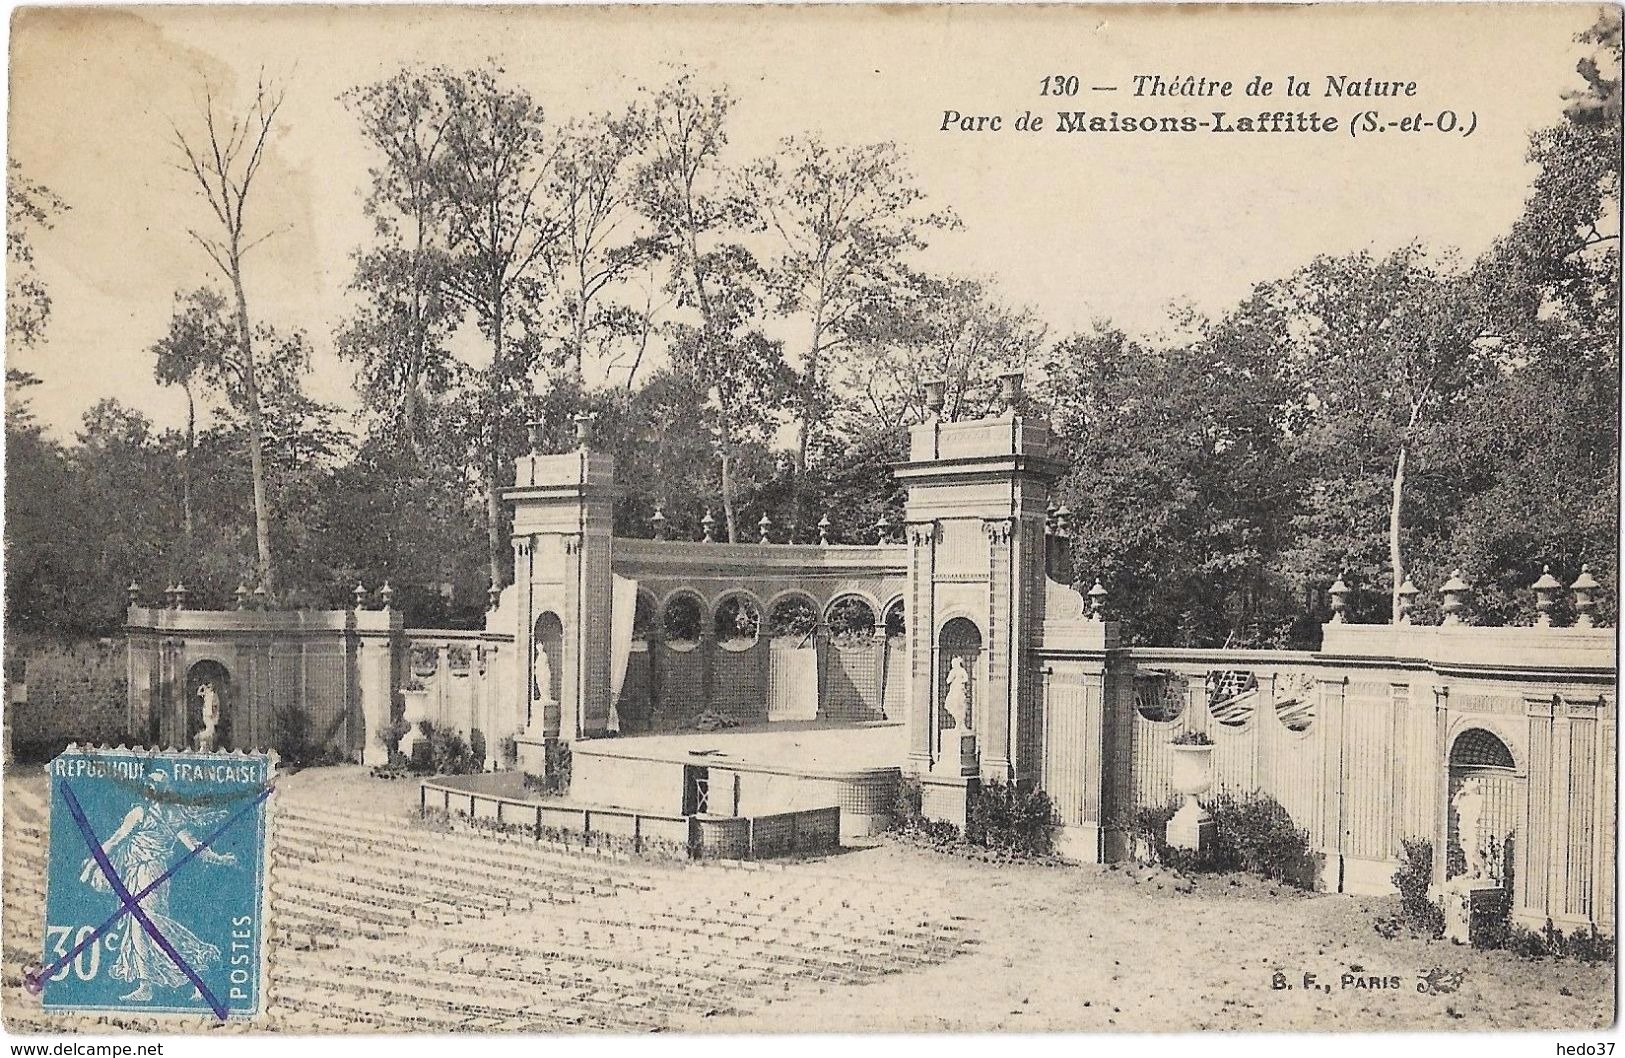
x,y
64,691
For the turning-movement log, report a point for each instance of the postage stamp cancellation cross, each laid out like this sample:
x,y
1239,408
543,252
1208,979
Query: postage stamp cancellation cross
x,y
155,885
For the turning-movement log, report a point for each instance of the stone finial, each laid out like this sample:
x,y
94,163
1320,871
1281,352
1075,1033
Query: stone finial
x,y
133,593
1455,592
262,598
386,595
1049,518
708,527
1063,521
657,521
1010,386
493,596
882,529
533,432
1340,591
1097,601
359,594
936,396
1585,590
1407,601
583,422
823,529
1546,589
764,526
180,595
241,595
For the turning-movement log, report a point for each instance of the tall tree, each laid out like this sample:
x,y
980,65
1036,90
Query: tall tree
x,y
956,329
224,162
603,242
1380,347
696,205
398,335
499,229
30,208
847,220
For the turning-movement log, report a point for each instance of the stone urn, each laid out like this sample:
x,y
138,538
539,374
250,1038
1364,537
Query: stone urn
x,y
1191,827
416,711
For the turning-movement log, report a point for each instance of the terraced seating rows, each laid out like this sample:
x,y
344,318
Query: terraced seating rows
x,y
382,924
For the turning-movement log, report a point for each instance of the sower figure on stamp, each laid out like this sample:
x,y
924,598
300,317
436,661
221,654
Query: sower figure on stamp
x,y
141,850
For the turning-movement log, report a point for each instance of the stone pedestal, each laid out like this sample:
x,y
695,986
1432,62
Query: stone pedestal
x,y
946,798
1469,904
1191,828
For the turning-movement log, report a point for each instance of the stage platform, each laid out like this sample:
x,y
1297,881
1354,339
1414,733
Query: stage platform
x,y
747,771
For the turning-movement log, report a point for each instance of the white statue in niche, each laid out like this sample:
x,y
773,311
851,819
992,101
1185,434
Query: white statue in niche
x,y
956,703
1469,805
542,672
204,740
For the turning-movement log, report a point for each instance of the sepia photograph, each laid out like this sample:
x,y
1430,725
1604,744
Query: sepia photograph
x,y
792,519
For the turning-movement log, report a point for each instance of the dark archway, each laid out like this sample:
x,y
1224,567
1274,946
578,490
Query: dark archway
x,y
547,644
213,675
1480,756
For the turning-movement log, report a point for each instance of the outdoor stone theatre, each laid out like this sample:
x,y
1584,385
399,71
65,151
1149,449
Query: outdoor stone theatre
x,y
696,683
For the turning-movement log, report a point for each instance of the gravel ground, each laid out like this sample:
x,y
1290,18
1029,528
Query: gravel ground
x,y
888,937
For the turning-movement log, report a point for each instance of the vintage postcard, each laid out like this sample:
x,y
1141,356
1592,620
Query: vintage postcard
x,y
790,519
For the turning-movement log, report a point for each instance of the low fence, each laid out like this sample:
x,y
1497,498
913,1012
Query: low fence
x,y
800,833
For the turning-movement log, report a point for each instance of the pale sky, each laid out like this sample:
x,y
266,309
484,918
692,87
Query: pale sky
x,y
1077,226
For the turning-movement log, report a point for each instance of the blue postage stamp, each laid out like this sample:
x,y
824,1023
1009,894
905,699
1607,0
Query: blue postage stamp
x,y
155,883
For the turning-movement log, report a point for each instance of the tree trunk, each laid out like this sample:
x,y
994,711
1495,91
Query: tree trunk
x,y
256,435
493,460
1395,559
186,473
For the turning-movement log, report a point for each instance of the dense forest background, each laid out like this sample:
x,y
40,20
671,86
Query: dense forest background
x,y
753,336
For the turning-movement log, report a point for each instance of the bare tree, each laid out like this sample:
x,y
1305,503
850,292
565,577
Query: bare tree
x,y
224,160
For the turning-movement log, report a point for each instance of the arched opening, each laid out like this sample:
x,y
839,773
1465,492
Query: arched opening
x,y
851,620
793,617
644,627
737,623
682,621
1486,802
792,674
208,706
896,620
960,640
547,655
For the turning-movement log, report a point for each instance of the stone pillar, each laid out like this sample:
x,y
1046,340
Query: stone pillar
x,y
1332,692
922,651
1439,785
572,664
993,719
378,644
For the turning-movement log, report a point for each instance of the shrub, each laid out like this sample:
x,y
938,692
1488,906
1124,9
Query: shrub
x,y
1011,819
1418,914
1550,942
555,782
1254,834
910,823
906,813
291,737
1193,738
390,735
448,753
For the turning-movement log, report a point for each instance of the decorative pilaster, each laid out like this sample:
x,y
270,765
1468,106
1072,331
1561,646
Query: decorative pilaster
x,y
922,654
